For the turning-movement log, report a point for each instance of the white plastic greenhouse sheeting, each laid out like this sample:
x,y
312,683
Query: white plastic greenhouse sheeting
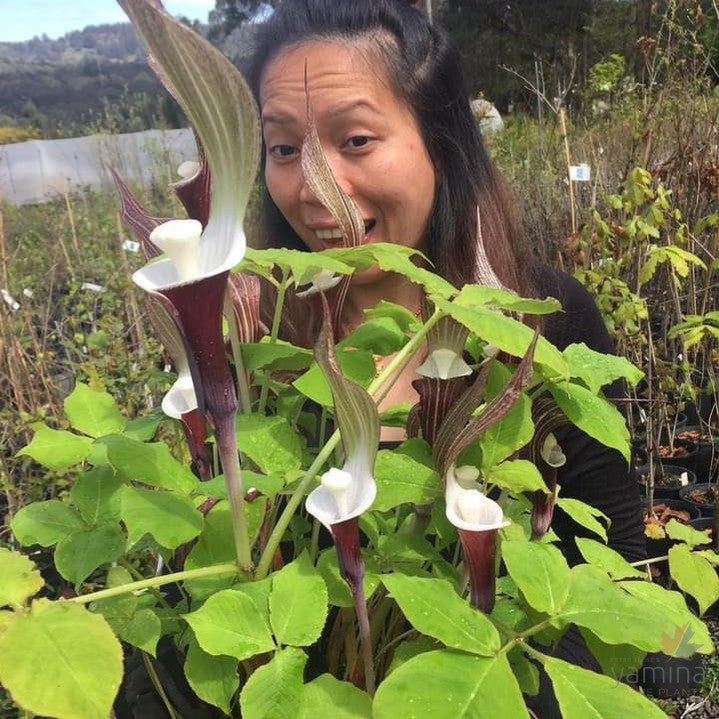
x,y
39,170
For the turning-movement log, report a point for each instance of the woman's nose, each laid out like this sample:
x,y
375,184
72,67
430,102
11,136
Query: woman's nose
x,y
308,195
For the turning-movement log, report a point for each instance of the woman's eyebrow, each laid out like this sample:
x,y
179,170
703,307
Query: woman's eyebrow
x,y
277,118
345,106
340,108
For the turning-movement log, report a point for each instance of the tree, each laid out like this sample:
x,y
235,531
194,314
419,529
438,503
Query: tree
x,y
230,14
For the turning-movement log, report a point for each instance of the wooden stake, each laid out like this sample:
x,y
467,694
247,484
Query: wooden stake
x,y
563,123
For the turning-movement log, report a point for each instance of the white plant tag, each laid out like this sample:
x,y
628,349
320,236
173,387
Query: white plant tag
x,y
92,287
9,300
580,173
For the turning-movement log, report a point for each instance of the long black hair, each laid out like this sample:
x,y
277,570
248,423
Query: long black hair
x,y
424,68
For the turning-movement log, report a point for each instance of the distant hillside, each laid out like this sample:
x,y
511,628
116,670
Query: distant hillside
x,y
90,80
110,42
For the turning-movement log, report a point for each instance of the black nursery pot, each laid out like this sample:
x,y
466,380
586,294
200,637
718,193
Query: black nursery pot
x,y
707,445
660,547
705,509
688,460
664,489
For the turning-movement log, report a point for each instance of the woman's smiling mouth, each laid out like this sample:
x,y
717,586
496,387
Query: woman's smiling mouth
x,y
332,236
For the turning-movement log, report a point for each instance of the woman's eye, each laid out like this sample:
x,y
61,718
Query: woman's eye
x,y
357,142
283,151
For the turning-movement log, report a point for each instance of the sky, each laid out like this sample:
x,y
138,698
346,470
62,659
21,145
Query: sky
x,y
23,19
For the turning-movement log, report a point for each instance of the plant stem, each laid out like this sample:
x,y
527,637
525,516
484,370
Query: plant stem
x,y
229,457
314,543
243,389
294,501
158,686
365,638
653,560
281,291
155,582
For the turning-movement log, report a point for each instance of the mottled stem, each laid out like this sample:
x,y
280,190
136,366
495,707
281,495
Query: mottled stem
x,y
227,446
349,554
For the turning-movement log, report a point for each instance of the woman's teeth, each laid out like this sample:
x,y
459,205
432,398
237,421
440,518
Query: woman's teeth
x,y
334,234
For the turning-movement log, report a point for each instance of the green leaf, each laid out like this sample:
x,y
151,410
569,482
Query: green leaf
x,y
213,678
274,691
216,546
684,533
412,648
144,428
395,415
301,266
280,355
270,442
19,578
677,616
593,414
518,475
434,608
585,514
6,619
56,449
45,523
227,624
450,685
526,673
79,554
170,518
401,479
269,485
596,603
617,660
330,697
483,296
93,413
139,627
399,313
150,463
96,494
507,334
298,603
582,693
76,653
259,593
694,575
596,369
356,365
393,258
142,631
541,573
381,336
418,449
338,591
600,555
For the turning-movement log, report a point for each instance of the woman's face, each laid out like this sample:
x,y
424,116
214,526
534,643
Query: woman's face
x,y
370,138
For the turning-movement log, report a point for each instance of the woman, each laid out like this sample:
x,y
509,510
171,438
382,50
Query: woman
x,y
391,109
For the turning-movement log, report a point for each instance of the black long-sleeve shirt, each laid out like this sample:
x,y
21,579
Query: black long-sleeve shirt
x,y
593,473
